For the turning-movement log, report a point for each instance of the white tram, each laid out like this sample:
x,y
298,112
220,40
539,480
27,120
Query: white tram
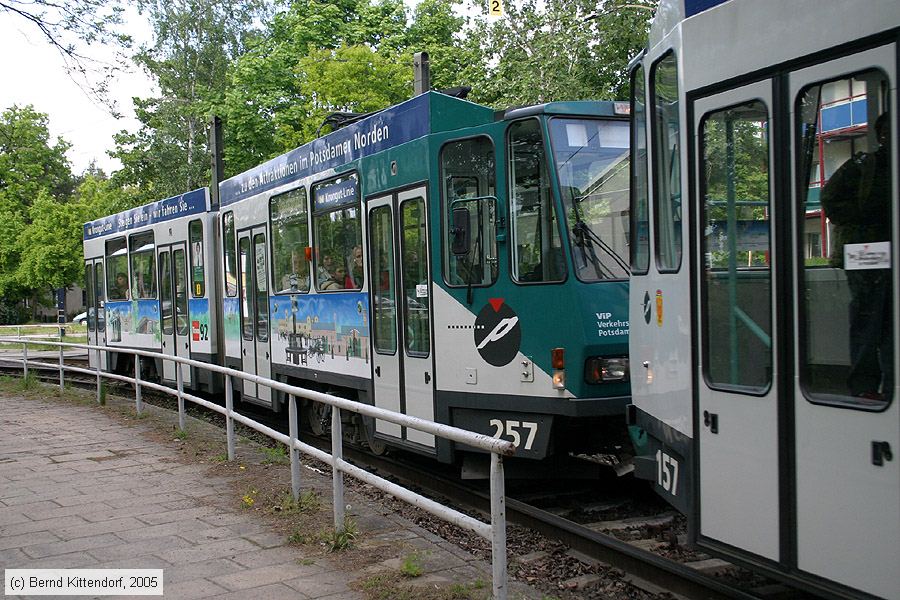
x,y
150,284
764,220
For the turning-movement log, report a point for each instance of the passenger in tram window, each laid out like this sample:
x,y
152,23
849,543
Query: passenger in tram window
x,y
356,268
857,199
122,290
326,266
342,278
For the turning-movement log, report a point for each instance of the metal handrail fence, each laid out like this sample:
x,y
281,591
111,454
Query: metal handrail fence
x,y
494,531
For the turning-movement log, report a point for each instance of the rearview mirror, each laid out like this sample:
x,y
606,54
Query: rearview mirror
x,y
459,231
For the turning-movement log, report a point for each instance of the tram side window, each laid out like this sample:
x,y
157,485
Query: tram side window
x,y
847,321
667,156
165,293
143,266
246,298
338,235
385,300
536,244
640,193
737,277
117,269
91,299
290,239
98,288
262,288
198,277
414,249
468,175
230,255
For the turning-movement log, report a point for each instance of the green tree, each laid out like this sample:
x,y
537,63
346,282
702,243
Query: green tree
x,y
438,30
195,41
30,162
33,168
277,90
555,50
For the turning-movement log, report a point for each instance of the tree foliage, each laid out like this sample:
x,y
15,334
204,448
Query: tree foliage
x,y
554,50
43,207
195,41
30,162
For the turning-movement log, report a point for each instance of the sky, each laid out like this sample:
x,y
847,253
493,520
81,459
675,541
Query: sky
x,y
32,72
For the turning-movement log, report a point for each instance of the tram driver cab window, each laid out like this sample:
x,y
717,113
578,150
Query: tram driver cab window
x,y
468,182
847,320
536,244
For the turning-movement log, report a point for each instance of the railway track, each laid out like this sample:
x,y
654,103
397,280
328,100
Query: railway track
x,y
600,527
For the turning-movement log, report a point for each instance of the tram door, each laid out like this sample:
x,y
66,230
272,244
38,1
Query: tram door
x,y
96,320
845,410
735,269
254,290
173,287
401,310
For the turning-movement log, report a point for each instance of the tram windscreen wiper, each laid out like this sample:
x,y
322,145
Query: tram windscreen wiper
x,y
586,239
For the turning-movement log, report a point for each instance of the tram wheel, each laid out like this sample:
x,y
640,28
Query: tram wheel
x,y
319,417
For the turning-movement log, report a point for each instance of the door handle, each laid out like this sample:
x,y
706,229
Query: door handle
x,y
244,352
427,377
881,452
164,344
267,356
378,371
186,346
711,420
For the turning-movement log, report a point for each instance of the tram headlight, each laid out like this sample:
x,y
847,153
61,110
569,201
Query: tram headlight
x,y
606,369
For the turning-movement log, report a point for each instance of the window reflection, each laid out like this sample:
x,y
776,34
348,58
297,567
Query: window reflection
x,y
847,320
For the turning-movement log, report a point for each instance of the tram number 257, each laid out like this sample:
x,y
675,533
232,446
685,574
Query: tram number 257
x,y
512,428
667,472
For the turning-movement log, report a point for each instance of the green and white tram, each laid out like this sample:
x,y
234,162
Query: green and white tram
x,y
444,261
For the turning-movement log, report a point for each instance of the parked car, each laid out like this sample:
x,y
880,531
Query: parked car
x,y
80,318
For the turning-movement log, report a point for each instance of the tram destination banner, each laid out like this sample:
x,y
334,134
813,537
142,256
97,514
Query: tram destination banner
x,y
391,127
190,203
692,7
335,194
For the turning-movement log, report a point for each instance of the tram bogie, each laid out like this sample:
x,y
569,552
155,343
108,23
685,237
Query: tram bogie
x,y
764,265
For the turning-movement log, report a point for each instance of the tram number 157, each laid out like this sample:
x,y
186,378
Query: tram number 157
x,y
667,472
511,429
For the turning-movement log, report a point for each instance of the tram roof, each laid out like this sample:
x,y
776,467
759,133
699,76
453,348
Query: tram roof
x,y
431,112
190,203
582,108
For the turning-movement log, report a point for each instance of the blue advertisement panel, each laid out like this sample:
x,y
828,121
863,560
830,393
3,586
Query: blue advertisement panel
x,y
323,331
391,127
190,203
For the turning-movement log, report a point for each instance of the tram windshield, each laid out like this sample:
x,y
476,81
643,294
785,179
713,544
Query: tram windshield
x,y
591,158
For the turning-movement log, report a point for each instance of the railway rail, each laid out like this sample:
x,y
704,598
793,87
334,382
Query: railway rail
x,y
557,519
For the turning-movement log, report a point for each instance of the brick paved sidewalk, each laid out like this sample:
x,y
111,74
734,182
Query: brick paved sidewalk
x,y
78,489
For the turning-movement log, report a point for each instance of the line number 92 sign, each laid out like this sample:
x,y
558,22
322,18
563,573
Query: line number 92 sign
x,y
495,8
